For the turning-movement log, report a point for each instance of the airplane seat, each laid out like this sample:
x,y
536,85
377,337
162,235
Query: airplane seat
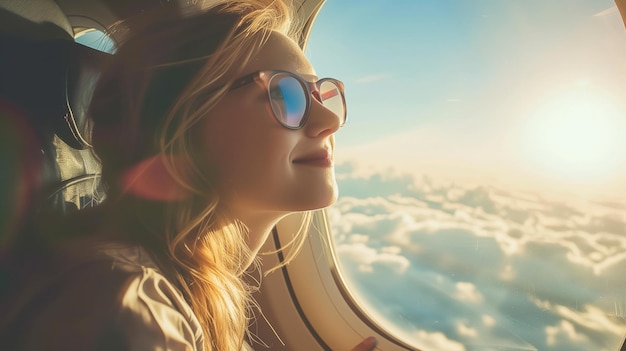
x,y
47,168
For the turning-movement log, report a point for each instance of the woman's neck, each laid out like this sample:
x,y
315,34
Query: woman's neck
x,y
259,225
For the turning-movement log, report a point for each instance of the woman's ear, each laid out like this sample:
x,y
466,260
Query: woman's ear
x,y
150,179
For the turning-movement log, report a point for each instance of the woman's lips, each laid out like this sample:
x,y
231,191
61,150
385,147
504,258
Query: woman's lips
x,y
319,159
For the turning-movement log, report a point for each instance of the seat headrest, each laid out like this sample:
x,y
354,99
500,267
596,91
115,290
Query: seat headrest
x,y
46,83
53,81
44,71
42,19
33,78
84,68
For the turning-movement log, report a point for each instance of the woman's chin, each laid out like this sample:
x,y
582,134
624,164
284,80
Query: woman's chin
x,y
321,200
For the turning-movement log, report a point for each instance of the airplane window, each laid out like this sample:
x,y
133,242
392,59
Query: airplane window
x,y
96,39
482,169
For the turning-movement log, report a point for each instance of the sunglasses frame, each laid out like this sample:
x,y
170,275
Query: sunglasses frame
x,y
264,78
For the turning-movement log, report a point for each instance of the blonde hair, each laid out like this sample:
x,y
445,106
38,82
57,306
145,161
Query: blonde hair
x,y
165,78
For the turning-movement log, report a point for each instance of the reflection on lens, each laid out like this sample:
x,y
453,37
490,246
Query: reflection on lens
x,y
331,98
288,100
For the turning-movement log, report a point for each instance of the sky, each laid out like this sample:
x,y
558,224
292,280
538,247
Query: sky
x,y
528,90
96,39
482,170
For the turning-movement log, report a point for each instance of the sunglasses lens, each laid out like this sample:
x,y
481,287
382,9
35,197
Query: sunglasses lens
x,y
288,100
331,98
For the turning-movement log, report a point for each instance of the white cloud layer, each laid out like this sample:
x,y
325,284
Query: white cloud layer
x,y
459,265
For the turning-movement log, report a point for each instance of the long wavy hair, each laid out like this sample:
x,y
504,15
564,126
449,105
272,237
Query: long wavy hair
x,y
168,73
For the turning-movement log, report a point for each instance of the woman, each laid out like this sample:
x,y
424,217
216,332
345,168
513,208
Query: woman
x,y
210,128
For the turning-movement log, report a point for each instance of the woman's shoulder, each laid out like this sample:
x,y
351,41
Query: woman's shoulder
x,y
122,256
111,296
152,311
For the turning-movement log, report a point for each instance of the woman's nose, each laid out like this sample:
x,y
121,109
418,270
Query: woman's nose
x,y
322,121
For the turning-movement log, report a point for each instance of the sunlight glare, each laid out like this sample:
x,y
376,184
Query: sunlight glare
x,y
575,135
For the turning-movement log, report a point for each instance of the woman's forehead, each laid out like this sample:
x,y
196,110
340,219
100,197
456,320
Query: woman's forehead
x,y
281,53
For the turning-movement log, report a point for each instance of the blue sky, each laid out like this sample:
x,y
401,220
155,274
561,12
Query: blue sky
x,y
494,83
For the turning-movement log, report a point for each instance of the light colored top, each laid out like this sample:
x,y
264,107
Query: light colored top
x,y
153,313
115,300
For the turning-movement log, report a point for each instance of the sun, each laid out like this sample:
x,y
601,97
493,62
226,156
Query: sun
x,y
575,136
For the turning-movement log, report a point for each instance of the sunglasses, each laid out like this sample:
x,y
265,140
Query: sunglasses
x,y
290,95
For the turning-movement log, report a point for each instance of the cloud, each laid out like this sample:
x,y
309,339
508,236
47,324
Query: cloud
x,y
512,220
609,11
564,332
467,292
488,320
372,78
437,341
593,318
482,266
465,330
368,259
